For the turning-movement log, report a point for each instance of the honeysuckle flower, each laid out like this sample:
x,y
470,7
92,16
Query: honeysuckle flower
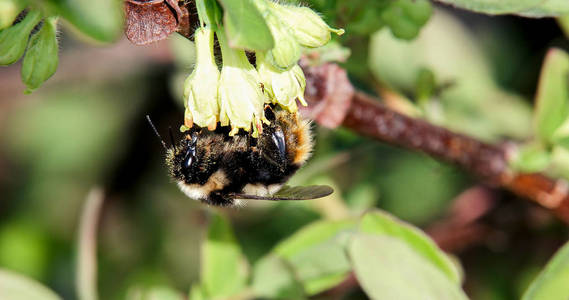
x,y
287,50
282,87
201,87
306,26
240,91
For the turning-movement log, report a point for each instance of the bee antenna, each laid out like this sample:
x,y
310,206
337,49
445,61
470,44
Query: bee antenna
x,y
156,132
170,132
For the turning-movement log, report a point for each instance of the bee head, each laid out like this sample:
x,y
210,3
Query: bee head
x,y
182,159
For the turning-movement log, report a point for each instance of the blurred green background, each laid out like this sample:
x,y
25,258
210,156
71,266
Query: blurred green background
x,y
85,128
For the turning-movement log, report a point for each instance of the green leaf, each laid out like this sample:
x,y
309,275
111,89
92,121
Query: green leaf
x,y
381,223
387,268
425,85
9,10
311,235
494,6
406,17
552,99
41,58
224,269
17,287
273,278
317,254
101,20
551,283
245,27
13,40
531,158
528,8
318,262
548,8
324,282
209,12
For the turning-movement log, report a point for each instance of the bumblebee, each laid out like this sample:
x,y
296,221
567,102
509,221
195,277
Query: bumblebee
x,y
219,169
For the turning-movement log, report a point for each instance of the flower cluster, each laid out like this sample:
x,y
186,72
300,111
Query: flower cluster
x,y
236,95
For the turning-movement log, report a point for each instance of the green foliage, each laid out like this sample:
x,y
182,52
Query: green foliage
x,y
41,57
100,20
13,40
403,17
551,117
552,99
551,283
17,287
406,17
533,8
316,259
473,103
387,268
245,26
224,269
274,278
383,224
209,12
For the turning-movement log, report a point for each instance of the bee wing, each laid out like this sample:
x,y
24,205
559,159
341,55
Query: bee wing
x,y
292,193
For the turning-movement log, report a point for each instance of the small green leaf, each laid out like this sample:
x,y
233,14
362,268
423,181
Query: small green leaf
x,y
224,269
13,40
378,222
551,283
387,268
406,17
552,99
273,278
425,85
531,158
17,287
9,10
41,57
101,20
245,26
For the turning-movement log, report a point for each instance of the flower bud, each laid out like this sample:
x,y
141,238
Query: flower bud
x,y
241,97
287,50
283,87
9,10
306,25
201,87
13,40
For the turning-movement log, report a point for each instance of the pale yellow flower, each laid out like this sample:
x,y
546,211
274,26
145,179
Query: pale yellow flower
x,y
201,87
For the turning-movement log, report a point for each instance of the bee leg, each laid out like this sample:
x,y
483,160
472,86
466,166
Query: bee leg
x,y
218,198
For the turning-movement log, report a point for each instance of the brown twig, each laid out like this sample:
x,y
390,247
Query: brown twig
x,y
366,116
